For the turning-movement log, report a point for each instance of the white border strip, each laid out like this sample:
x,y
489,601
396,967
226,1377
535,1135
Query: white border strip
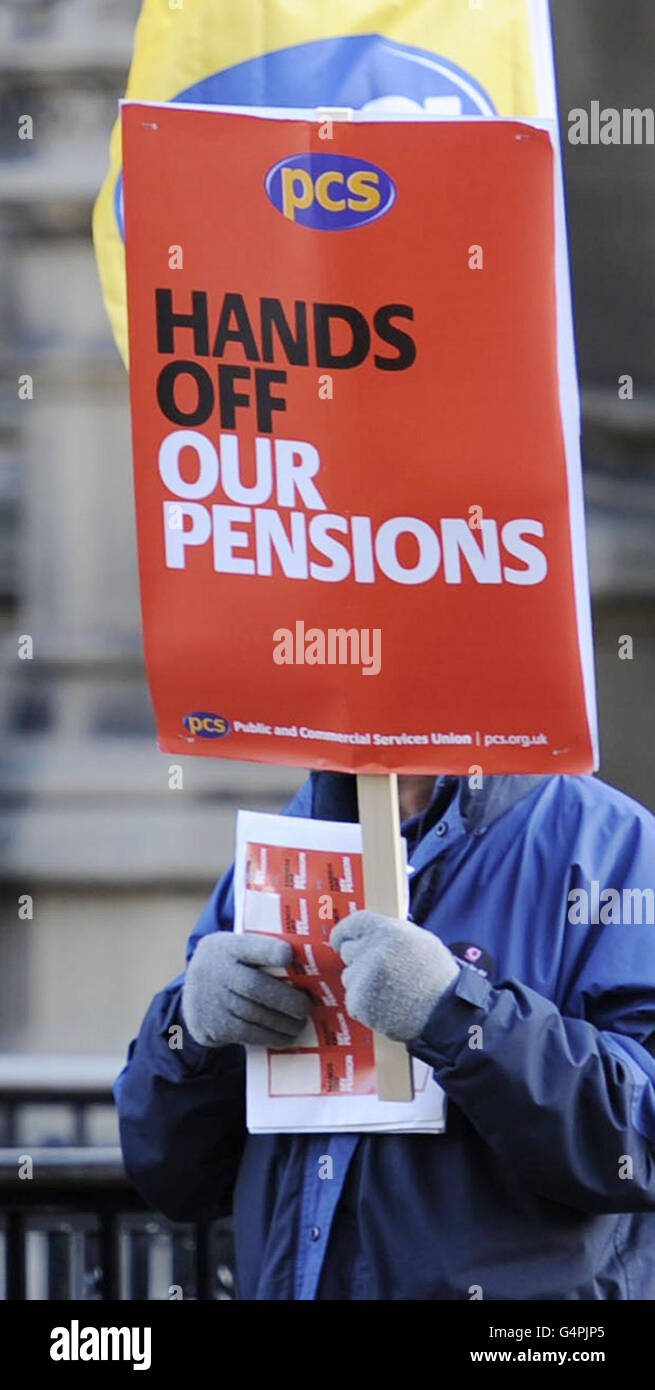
x,y
544,66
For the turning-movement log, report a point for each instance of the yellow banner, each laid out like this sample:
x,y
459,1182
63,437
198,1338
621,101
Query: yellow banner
x,y
446,57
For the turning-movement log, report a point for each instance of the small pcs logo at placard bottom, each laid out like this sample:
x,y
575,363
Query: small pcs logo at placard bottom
x,y
204,724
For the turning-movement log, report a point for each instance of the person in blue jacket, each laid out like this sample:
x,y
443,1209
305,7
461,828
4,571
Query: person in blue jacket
x,y
532,918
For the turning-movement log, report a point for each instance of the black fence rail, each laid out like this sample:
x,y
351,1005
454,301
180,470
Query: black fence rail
x,y
72,1226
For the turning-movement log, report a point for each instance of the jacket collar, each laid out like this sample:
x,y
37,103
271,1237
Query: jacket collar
x,y
480,807
335,798
477,808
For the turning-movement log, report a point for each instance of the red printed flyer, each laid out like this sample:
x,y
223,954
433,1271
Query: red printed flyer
x,y
297,878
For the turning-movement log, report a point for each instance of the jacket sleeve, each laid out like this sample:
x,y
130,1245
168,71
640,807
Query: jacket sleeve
x,y
565,1097
182,1115
181,1106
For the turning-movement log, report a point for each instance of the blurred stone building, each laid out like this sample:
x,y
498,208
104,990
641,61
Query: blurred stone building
x,y
117,864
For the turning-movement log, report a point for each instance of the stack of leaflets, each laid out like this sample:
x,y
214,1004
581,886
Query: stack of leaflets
x,y
296,879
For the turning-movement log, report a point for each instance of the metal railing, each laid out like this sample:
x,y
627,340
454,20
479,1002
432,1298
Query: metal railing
x,y
72,1226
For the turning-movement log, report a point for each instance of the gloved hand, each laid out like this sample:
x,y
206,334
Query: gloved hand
x,y
227,999
396,972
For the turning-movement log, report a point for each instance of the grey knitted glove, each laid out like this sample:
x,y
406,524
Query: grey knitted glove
x,y
396,972
227,999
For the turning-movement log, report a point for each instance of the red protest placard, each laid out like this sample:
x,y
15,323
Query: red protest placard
x,y
355,539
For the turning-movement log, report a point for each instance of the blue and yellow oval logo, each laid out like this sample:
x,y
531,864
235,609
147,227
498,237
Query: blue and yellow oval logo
x,y
330,192
203,724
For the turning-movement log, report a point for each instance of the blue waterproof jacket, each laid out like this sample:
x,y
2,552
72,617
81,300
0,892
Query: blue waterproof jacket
x,y
543,1185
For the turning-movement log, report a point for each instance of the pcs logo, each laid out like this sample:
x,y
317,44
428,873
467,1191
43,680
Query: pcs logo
x,y
202,724
330,192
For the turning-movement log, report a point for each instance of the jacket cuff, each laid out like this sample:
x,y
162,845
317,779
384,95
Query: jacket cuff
x,y
467,1001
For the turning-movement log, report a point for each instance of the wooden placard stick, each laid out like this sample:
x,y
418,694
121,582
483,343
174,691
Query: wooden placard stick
x,y
385,890
385,867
